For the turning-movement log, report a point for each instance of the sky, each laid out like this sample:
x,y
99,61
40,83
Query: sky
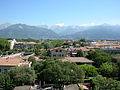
x,y
60,12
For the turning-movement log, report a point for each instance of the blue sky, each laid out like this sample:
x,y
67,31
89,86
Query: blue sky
x,y
68,12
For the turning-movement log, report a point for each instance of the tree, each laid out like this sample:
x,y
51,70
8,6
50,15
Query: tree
x,y
37,46
82,40
22,75
118,64
90,71
6,83
79,54
102,83
32,59
98,57
4,44
108,70
57,43
55,71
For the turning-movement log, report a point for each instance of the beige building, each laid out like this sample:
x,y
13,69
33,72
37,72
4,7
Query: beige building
x,y
58,52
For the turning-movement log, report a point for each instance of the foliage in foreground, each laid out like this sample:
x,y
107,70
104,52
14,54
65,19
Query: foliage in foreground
x,y
109,69
22,75
90,71
98,57
102,83
58,72
4,44
6,83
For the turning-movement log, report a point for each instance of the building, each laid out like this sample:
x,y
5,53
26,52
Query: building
x,y
19,46
73,51
111,50
24,45
30,44
11,61
58,52
77,60
105,46
12,43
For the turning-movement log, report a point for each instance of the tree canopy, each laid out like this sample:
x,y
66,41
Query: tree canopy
x,y
4,44
90,71
22,75
6,83
56,71
102,83
108,69
98,57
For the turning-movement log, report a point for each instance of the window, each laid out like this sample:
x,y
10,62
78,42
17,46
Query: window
x,y
5,69
56,50
60,50
54,55
60,55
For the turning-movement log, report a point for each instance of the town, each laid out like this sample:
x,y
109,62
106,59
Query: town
x,y
49,64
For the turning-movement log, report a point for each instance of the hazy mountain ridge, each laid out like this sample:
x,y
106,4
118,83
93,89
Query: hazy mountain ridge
x,y
67,30
5,25
104,31
26,31
98,32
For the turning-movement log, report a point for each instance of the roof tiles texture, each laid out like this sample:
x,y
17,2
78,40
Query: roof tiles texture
x,y
76,59
11,61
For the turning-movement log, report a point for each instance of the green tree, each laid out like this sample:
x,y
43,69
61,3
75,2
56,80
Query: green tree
x,y
57,43
6,83
4,44
56,71
98,57
32,59
38,46
118,64
79,54
22,75
90,71
102,83
82,40
46,46
108,70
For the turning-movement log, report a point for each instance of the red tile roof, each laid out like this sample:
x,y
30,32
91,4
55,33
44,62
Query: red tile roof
x,y
11,61
106,44
76,59
86,49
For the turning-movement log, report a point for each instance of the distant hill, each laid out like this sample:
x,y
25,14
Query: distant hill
x,y
97,32
26,31
105,31
67,30
5,25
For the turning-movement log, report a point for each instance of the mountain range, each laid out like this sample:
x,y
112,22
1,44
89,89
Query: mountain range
x,y
26,31
104,31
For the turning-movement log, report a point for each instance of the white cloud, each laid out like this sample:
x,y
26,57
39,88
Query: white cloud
x,y
90,24
61,25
